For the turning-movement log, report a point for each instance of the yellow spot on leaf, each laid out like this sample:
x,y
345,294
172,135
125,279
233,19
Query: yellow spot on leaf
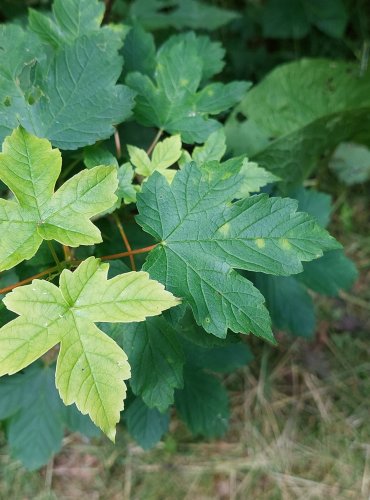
x,y
184,82
284,243
260,242
225,229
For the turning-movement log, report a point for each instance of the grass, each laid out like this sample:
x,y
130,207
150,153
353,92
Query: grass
x,y
300,429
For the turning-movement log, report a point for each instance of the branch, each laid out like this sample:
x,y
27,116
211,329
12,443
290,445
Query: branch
x,y
28,280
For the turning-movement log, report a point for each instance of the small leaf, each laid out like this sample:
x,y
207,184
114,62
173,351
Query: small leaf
x,y
166,153
254,178
140,160
213,149
90,367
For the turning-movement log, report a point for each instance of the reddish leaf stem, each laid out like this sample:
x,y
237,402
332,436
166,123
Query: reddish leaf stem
x,y
127,254
125,240
28,280
155,140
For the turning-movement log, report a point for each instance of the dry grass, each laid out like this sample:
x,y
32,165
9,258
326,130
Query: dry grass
x,y
300,430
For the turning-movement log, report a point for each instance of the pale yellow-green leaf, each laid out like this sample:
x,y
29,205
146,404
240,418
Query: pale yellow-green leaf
x,y
254,177
30,168
166,153
140,160
91,368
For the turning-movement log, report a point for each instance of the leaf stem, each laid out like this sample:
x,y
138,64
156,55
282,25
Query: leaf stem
x,y
28,280
125,240
117,142
155,140
127,254
55,257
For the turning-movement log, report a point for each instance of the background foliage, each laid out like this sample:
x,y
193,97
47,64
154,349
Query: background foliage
x,y
301,131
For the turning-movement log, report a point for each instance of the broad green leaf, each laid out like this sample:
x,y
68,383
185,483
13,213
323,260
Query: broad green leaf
x,y
351,163
156,359
90,367
223,359
329,274
172,100
139,51
193,14
61,78
300,112
203,403
70,19
213,149
36,415
30,168
289,304
254,178
204,238
146,425
76,422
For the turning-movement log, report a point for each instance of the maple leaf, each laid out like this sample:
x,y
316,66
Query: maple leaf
x,y
91,367
30,168
203,237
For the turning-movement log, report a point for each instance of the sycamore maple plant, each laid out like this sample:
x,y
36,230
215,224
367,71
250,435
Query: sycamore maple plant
x,y
208,237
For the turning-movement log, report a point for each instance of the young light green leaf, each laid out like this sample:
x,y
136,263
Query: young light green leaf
x,y
254,177
166,153
204,237
213,149
126,190
30,168
90,367
140,160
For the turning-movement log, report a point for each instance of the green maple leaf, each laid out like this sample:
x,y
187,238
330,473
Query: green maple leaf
x,y
173,101
59,80
91,367
203,237
30,168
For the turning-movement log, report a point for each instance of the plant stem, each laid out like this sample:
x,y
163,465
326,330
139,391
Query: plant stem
x,y
117,142
127,254
28,280
55,257
68,255
155,140
125,240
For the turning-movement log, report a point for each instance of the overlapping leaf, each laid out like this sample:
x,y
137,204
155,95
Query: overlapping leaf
x,y
90,367
30,168
173,101
298,113
203,237
61,78
36,417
